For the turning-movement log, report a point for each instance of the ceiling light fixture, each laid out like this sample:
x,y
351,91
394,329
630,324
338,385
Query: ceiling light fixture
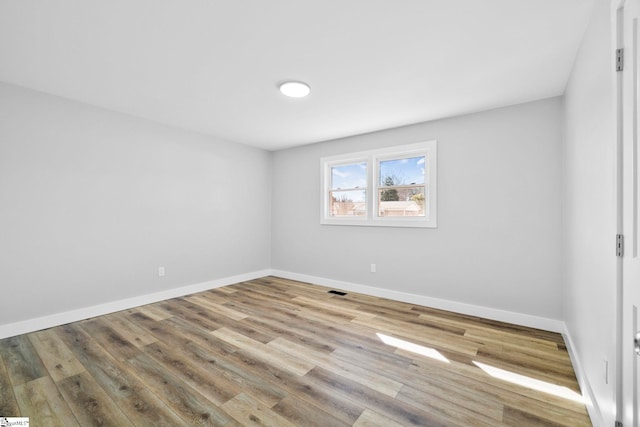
x,y
295,89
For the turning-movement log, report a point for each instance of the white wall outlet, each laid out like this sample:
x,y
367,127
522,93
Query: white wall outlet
x,y
373,268
606,371
160,271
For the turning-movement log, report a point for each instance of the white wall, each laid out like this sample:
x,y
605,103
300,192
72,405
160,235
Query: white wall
x,y
93,202
590,208
499,214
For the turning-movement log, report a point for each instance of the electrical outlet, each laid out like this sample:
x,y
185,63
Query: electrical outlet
x,y
160,271
373,268
606,371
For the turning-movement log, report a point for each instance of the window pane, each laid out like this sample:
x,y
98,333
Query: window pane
x,y
405,201
347,203
406,171
349,176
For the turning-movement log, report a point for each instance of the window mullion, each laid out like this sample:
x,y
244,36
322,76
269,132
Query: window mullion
x,y
372,204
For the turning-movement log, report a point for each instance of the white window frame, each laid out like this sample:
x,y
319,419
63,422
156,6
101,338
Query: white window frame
x,y
372,159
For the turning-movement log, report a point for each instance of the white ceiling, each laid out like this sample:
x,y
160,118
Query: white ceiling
x,y
213,66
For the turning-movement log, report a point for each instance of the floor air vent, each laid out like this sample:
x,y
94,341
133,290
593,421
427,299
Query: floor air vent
x,y
337,292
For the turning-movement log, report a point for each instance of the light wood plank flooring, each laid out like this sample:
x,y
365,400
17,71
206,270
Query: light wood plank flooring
x,y
275,352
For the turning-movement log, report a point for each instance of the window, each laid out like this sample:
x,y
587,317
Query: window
x,y
393,187
348,192
401,186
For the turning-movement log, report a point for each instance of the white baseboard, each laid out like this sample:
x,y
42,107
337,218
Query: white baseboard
x,y
587,392
31,325
25,326
531,321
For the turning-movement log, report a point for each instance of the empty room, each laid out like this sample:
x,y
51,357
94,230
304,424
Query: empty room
x,y
319,213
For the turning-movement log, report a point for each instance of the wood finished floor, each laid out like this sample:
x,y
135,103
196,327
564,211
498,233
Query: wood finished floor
x,y
275,352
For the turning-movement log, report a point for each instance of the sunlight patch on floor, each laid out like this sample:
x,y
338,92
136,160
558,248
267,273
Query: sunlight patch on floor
x,y
531,383
414,348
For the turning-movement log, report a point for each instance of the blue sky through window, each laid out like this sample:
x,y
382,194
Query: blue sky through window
x,y
349,176
403,171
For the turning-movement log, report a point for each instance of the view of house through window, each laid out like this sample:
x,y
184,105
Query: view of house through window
x,y
393,187
401,187
348,190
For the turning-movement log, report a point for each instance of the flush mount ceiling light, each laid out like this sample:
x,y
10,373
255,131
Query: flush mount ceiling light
x,y
295,89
